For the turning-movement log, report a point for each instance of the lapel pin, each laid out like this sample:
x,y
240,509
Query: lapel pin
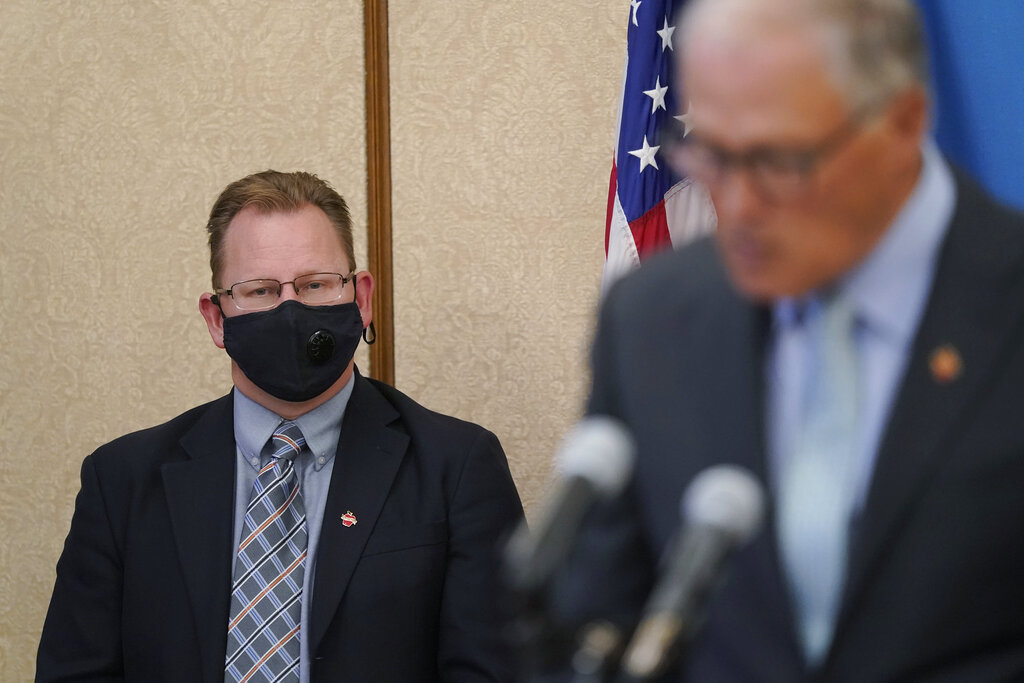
x,y
348,519
945,364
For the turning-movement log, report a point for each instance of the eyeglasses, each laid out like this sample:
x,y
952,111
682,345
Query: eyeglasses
x,y
315,289
778,174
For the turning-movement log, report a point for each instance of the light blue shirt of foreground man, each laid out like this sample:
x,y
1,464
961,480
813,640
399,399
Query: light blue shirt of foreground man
x,y
853,334
310,526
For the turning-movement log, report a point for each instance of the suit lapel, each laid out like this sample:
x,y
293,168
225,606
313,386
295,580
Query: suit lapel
x,y
719,371
741,344
735,341
369,454
756,590
974,307
200,498
763,578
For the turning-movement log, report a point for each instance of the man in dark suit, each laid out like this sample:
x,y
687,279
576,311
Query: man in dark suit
x,y
313,525
854,335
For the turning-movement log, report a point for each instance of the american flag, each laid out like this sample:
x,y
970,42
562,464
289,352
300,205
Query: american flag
x,y
649,208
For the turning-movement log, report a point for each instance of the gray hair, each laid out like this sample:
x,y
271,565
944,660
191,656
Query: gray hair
x,y
876,48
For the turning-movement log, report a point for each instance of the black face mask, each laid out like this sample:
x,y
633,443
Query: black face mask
x,y
294,352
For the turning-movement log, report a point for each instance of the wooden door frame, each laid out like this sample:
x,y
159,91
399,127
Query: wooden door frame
x,y
378,187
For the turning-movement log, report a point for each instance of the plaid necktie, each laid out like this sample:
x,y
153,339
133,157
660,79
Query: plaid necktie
x,y
266,594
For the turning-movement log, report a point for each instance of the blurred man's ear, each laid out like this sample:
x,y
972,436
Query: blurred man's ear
x,y
908,115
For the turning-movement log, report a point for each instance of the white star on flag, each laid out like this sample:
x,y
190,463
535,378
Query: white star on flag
x,y
657,209
657,95
686,119
666,36
646,155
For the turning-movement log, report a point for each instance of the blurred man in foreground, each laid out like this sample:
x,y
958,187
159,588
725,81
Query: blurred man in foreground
x,y
854,335
312,525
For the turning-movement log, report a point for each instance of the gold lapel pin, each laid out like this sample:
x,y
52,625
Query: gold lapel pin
x,y
348,519
945,364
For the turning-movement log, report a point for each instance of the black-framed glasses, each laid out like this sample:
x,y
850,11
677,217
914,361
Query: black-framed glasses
x,y
314,289
778,174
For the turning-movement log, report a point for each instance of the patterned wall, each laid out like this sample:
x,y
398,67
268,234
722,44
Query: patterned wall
x,y
502,118
121,121
119,124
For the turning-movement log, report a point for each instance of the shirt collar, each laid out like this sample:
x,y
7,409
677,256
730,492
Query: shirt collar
x,y
254,425
888,288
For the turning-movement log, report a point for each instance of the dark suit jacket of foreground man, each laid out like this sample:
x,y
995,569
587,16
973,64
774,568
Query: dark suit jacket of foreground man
x,y
935,586
403,595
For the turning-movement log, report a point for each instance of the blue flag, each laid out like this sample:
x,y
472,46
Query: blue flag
x,y
977,57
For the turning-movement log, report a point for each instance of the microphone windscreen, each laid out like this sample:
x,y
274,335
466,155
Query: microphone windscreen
x,y
600,450
727,497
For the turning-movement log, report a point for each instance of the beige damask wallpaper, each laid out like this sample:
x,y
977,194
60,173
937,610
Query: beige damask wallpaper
x,y
120,122
502,118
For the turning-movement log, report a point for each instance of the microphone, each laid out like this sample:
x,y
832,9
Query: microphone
x,y
722,507
593,463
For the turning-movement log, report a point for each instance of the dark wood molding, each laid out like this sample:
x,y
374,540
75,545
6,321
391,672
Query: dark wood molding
x,y
378,187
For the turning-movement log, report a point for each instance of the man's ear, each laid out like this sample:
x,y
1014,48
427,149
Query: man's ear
x,y
909,114
213,317
364,296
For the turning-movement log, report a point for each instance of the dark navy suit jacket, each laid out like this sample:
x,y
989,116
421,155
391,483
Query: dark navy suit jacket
x,y
935,588
405,594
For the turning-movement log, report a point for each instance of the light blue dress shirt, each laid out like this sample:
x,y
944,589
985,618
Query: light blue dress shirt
x,y
321,426
888,291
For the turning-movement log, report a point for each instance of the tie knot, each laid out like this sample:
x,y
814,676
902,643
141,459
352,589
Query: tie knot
x,y
839,318
287,441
